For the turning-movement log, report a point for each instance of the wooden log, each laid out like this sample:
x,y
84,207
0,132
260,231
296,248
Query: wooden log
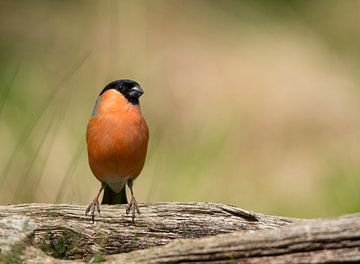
x,y
317,241
37,233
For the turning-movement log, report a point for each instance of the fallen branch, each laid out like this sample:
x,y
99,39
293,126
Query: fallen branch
x,y
317,241
29,231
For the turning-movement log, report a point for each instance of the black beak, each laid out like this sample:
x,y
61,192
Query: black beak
x,y
136,92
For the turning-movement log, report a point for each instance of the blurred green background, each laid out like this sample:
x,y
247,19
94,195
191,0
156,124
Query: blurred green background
x,y
250,103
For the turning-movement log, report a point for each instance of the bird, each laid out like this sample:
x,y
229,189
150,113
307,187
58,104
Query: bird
x,y
117,139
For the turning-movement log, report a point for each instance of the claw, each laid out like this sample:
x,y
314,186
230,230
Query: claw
x,y
133,207
94,205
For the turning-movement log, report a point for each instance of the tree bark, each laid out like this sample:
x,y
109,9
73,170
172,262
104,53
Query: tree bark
x,y
203,232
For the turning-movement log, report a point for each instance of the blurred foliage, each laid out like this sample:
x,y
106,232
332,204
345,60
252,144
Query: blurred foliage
x,y
252,103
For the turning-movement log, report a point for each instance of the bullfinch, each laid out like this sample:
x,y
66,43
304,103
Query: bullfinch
x,y
117,140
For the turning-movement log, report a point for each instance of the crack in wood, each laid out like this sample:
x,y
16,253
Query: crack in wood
x,y
218,233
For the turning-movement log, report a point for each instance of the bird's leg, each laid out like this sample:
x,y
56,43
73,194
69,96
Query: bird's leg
x,y
94,205
133,204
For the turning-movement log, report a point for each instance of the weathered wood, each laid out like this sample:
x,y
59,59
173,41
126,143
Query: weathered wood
x,y
113,231
64,232
312,241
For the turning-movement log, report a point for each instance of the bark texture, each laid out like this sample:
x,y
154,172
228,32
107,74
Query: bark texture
x,y
203,232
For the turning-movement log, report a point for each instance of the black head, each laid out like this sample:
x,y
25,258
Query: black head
x,y
130,89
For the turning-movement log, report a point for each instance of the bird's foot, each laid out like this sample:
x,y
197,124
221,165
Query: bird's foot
x,y
132,206
93,206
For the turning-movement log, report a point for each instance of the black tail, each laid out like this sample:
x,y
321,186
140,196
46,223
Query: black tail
x,y
111,197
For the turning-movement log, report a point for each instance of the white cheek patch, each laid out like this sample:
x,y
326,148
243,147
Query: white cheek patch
x,y
95,112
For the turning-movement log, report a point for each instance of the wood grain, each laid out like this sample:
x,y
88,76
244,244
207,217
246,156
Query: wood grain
x,y
172,232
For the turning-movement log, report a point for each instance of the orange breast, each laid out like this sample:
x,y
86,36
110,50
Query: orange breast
x,y
117,139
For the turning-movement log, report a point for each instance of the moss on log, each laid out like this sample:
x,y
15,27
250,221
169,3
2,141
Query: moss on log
x,y
171,232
